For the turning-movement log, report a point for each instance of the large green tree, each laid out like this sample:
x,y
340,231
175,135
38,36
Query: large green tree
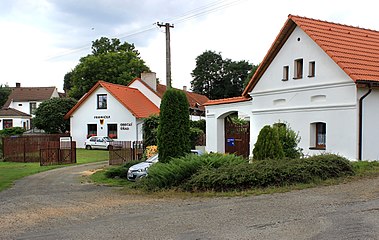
x,y
50,113
217,78
4,94
174,126
110,60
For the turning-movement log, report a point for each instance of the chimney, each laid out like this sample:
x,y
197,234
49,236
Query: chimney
x,y
18,84
185,88
150,78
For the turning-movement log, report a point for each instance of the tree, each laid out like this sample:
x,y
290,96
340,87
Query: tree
x,y
217,78
150,128
174,126
4,94
50,113
110,61
268,145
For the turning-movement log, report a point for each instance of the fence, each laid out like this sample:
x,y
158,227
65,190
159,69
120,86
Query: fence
x,y
121,152
28,149
58,153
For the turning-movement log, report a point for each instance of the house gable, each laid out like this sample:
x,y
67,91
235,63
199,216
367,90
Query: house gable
x,y
355,50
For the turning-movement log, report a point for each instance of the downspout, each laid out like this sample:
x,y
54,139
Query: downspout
x,y
360,137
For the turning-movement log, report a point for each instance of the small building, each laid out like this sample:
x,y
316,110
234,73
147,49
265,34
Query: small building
x,y
118,111
321,79
22,103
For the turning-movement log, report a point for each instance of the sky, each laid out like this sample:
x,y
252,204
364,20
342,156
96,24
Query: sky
x,y
42,40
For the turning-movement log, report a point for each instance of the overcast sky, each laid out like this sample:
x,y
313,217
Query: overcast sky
x,y
42,40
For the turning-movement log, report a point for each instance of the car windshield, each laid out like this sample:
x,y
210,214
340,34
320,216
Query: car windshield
x,y
108,139
152,159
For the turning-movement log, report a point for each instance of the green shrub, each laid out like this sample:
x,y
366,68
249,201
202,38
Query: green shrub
x,y
198,124
7,132
268,145
271,172
195,134
289,139
121,171
150,129
178,171
173,130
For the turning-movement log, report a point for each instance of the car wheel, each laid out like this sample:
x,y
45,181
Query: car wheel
x,y
88,147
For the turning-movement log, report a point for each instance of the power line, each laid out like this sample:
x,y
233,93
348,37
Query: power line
x,y
186,16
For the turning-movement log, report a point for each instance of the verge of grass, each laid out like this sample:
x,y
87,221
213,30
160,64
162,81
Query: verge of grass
x,y
12,171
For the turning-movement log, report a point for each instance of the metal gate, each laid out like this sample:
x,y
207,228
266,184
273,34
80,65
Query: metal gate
x,y
237,138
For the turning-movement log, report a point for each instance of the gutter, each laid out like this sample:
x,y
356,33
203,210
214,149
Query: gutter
x,y
360,128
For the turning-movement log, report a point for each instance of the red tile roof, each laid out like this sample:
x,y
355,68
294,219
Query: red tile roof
x,y
354,49
195,100
130,98
26,94
227,100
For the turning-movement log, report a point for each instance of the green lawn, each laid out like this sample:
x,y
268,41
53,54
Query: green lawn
x,y
11,171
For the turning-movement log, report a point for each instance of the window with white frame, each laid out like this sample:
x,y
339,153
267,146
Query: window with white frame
x,y
298,69
102,101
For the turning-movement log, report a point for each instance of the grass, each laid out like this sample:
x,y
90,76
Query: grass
x,y
363,170
11,171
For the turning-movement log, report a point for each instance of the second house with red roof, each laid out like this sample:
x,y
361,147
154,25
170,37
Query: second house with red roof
x,y
119,111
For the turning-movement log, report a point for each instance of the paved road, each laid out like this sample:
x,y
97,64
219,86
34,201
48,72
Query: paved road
x,y
57,205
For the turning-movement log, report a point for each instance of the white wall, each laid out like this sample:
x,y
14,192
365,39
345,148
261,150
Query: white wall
x,y
17,122
328,97
370,143
215,115
115,113
153,97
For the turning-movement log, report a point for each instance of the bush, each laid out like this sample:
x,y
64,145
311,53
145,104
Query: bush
x,y
150,129
289,139
270,173
173,130
121,171
268,145
195,134
179,171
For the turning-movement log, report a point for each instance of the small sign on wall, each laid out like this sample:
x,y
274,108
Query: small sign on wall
x,y
125,126
230,142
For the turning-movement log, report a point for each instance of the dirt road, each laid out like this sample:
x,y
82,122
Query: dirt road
x,y
57,205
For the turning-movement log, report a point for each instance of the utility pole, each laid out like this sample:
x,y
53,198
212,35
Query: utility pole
x,y
167,27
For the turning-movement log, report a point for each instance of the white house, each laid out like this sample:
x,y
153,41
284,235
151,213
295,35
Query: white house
x,y
322,79
22,103
118,111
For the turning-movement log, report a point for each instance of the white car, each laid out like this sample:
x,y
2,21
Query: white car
x,y
140,170
97,142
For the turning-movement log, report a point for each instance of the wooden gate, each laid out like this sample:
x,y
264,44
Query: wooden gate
x,y
59,154
237,138
121,152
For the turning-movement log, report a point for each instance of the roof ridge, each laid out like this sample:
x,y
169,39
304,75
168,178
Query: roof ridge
x,y
290,16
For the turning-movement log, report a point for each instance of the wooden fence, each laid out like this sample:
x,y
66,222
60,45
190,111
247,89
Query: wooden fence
x,y
121,152
33,148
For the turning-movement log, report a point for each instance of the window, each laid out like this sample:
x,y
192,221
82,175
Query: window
x,y
312,68
285,73
298,69
7,123
102,101
318,135
112,131
91,130
32,107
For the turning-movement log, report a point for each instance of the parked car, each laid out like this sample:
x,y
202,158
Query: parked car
x,y
98,142
140,170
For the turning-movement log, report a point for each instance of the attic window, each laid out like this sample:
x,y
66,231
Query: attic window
x,y
285,73
312,68
298,66
102,101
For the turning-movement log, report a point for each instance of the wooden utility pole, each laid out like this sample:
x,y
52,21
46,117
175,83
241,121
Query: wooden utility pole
x,y
167,27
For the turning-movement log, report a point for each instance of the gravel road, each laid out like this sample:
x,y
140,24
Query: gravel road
x,y
58,205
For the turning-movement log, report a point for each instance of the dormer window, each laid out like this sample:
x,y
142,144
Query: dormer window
x,y
298,68
312,68
102,101
285,73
